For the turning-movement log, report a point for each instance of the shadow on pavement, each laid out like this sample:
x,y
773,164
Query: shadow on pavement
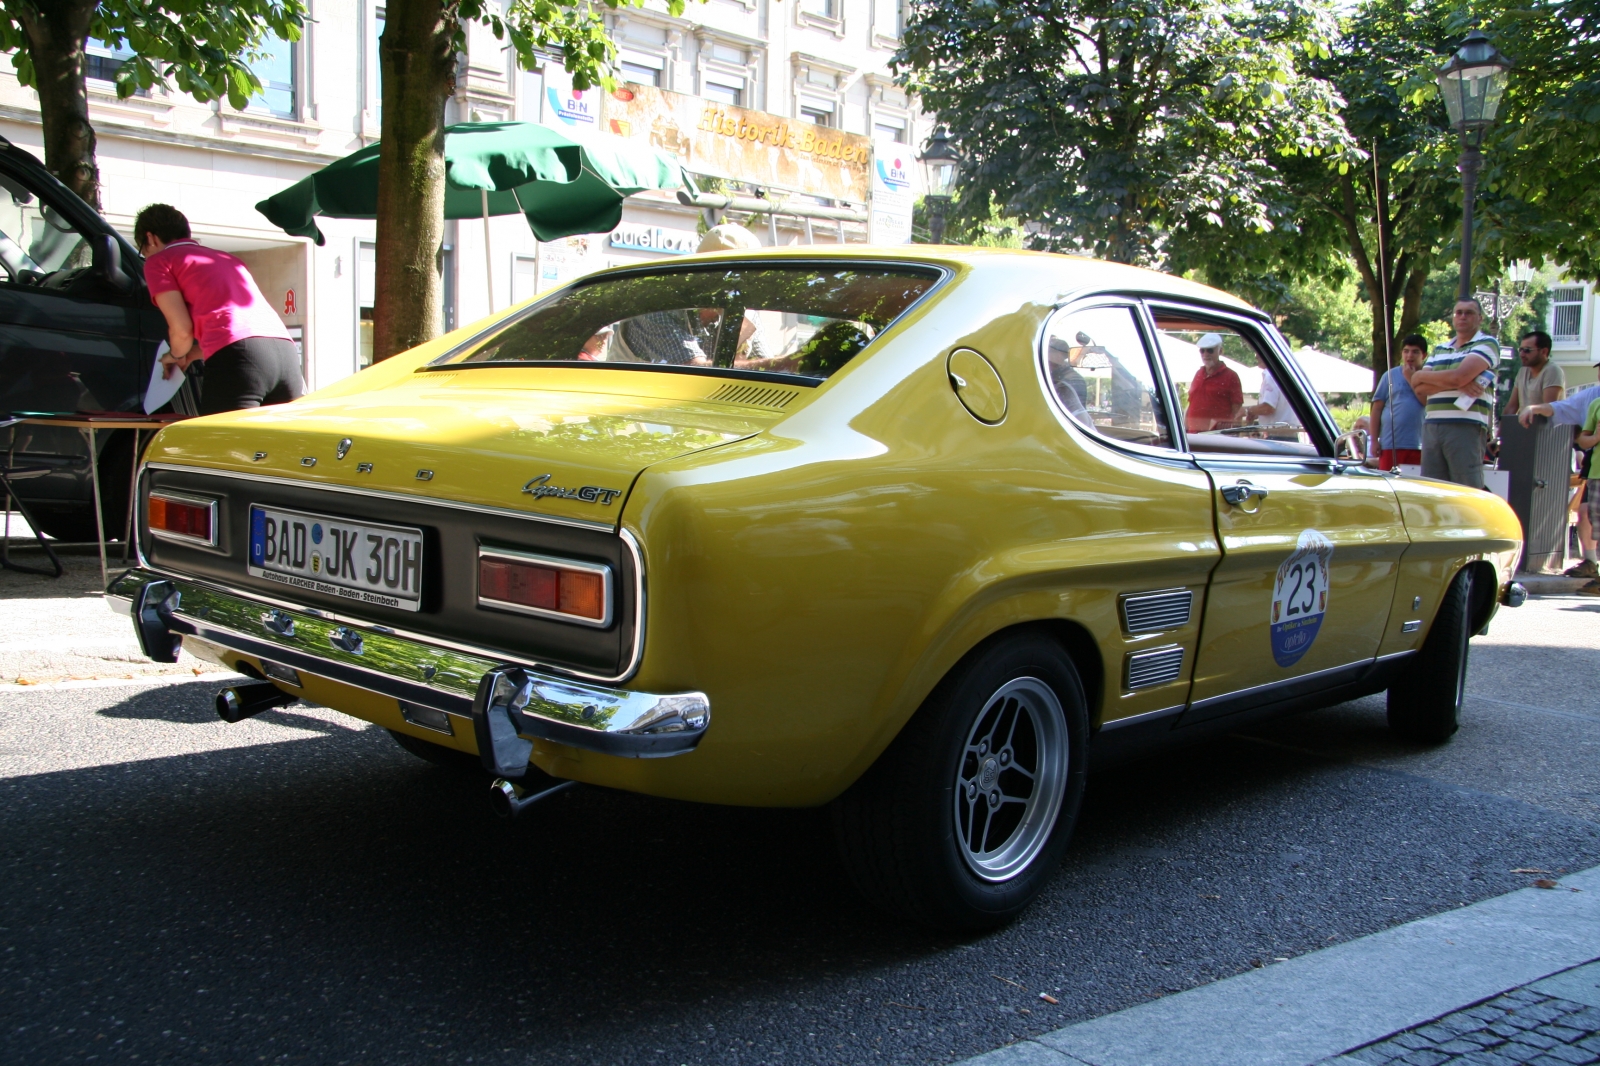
x,y
181,704
334,899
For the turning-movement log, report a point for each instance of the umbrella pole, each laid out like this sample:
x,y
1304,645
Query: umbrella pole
x,y
488,255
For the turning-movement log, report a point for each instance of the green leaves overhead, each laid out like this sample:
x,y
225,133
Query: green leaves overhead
x,y
202,47
1131,129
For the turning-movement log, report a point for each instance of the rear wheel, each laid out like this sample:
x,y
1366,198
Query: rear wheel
x,y
1425,702
961,822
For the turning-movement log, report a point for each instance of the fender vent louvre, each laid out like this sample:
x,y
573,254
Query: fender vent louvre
x,y
1151,612
755,396
1154,667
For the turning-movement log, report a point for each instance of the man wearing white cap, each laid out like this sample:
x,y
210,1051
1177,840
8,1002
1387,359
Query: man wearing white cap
x,y
1216,399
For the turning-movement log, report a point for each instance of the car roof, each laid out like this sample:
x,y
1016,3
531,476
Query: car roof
x,y
1072,275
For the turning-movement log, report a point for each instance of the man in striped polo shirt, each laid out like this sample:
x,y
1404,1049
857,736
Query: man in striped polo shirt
x,y
1457,386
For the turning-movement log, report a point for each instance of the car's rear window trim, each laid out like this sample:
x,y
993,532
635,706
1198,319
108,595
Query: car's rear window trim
x,y
443,362
771,376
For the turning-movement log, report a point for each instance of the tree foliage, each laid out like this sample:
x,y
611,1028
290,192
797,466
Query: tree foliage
x,y
203,47
1143,131
417,55
1539,167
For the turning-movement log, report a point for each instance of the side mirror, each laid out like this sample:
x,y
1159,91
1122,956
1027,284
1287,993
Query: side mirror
x,y
108,263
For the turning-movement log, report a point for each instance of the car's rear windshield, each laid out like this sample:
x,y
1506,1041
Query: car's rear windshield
x,y
800,320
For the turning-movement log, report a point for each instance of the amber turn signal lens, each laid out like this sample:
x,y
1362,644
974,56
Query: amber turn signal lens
x,y
180,518
543,587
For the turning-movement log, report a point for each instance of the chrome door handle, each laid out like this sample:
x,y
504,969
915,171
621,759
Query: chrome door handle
x,y
1237,494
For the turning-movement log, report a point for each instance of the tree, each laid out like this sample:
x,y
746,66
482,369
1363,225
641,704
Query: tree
x,y
1540,164
1394,204
417,57
1139,130
205,47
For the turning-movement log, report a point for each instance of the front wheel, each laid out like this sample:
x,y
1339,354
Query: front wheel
x,y
1425,702
963,819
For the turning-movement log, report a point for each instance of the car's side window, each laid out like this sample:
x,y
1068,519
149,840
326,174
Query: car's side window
x,y
35,240
1099,370
1231,400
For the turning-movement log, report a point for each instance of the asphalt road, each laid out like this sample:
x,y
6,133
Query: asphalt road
x,y
296,888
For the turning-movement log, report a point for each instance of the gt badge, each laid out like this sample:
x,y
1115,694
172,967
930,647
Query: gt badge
x,y
540,487
1300,597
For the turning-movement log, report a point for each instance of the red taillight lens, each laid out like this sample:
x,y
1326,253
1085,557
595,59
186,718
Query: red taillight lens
x,y
181,518
544,586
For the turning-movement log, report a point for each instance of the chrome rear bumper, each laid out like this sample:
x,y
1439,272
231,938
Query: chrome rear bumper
x,y
509,704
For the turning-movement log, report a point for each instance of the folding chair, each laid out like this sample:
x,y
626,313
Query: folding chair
x,y
10,472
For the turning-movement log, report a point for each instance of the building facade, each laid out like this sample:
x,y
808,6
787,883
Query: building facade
x,y
818,64
1570,323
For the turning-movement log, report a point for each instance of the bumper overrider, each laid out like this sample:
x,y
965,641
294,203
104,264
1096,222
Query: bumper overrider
x,y
510,705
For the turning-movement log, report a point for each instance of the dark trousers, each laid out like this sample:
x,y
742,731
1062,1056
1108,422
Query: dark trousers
x,y
251,373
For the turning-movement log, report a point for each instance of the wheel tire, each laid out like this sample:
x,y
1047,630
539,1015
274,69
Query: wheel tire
x,y
438,754
906,829
1421,708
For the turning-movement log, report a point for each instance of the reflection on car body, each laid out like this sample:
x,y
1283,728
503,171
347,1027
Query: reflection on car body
x,y
918,533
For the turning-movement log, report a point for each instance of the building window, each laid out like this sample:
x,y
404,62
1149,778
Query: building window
x,y
828,9
888,19
374,78
366,296
641,68
1566,314
723,89
819,111
886,128
524,278
275,71
101,62
447,308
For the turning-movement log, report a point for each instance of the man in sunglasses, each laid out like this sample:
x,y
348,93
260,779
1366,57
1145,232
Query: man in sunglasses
x,y
1539,380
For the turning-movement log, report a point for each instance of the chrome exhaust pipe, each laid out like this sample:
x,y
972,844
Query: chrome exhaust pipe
x,y
510,799
238,702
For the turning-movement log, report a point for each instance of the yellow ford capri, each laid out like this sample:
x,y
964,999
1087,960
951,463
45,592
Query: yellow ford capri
x,y
924,534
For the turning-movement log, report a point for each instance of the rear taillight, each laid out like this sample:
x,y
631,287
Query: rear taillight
x,y
183,518
537,584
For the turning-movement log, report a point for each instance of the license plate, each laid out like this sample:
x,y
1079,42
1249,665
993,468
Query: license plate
x,y
356,561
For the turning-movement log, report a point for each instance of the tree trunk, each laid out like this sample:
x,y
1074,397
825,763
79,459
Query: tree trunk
x,y
1411,303
57,33
418,62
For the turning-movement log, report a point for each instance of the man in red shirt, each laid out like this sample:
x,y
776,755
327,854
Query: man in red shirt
x,y
1216,399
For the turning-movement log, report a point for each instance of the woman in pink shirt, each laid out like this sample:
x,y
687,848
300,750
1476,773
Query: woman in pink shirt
x,y
215,313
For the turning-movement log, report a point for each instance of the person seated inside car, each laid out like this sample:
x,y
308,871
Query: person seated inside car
x,y
1071,389
1216,397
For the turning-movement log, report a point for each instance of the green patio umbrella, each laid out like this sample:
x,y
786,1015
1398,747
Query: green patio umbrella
x,y
563,185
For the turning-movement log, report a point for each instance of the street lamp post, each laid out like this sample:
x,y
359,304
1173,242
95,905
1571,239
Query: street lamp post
x,y
940,164
1472,84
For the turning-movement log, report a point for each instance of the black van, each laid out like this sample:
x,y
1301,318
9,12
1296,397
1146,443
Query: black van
x,y
78,333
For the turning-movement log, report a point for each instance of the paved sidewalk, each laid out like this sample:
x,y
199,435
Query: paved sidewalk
x,y
1500,982
1537,1025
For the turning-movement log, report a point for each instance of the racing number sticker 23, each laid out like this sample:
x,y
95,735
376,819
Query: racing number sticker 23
x,y
1300,597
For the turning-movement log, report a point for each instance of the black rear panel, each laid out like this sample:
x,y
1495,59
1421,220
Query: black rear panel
x,y
450,576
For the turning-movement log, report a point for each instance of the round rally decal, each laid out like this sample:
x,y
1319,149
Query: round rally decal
x,y
1300,597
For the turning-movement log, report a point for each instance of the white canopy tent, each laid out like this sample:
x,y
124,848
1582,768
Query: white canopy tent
x,y
1329,373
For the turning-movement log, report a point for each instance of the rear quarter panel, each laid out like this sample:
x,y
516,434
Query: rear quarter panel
x,y
818,580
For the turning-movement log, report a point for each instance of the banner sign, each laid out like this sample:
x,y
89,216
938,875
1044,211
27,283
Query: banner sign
x,y
637,238
722,141
890,221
